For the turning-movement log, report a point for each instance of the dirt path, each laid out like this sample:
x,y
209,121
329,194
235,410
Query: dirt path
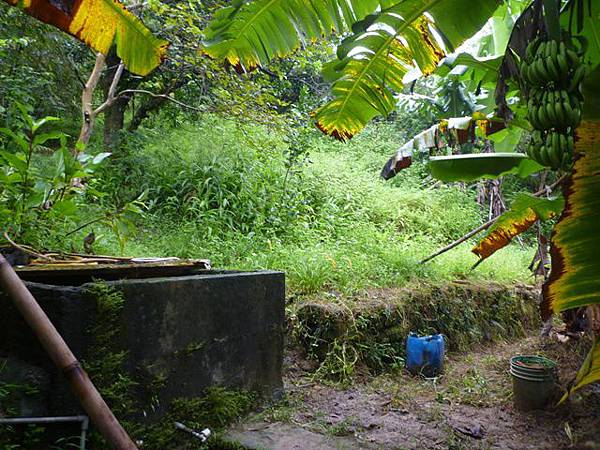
x,y
469,407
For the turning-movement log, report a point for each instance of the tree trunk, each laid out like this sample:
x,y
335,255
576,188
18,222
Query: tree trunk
x,y
114,117
153,104
114,121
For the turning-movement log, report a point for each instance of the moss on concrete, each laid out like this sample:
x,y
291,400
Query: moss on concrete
x,y
216,408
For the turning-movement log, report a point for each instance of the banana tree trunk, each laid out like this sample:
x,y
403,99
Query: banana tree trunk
x,y
89,397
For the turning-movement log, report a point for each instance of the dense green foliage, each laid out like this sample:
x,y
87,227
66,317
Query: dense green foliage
x,y
221,190
260,189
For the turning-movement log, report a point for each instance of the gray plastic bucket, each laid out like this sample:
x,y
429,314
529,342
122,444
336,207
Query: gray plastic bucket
x,y
534,382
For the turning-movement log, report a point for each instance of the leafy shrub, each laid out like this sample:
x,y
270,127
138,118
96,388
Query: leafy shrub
x,y
39,184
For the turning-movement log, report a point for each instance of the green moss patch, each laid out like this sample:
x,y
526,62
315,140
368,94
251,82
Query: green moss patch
x,y
215,408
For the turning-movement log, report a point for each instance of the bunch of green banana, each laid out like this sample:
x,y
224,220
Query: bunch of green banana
x,y
552,149
552,73
552,64
553,109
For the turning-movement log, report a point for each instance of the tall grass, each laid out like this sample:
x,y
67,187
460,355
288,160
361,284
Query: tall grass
x,y
221,190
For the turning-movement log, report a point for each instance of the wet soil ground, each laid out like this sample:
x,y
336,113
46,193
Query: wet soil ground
x,y
469,407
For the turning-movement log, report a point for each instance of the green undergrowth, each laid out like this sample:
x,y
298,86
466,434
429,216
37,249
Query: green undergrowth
x,y
343,335
222,190
217,408
11,437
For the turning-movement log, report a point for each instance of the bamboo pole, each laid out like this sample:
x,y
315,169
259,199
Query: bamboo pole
x,y
486,225
89,397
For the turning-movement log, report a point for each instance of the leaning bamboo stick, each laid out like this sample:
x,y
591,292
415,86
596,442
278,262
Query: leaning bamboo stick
x,y
91,400
486,225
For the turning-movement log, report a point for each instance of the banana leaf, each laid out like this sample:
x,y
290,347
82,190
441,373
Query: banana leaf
x,y
588,373
389,37
524,212
574,280
248,34
476,166
384,48
480,69
99,24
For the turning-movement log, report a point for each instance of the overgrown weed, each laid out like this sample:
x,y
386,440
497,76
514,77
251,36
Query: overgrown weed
x,y
221,190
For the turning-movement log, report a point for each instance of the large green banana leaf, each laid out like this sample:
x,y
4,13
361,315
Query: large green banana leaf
x,y
484,68
476,166
100,23
252,32
574,281
389,38
465,65
384,47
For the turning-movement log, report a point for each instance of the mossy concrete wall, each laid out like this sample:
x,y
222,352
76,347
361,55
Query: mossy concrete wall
x,y
180,335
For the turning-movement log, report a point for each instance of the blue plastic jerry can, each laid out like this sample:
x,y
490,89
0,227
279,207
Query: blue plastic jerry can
x,y
425,354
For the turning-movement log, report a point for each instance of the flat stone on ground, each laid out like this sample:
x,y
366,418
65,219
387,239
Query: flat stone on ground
x,y
283,436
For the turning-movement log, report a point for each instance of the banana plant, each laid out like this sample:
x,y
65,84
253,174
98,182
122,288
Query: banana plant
x,y
573,281
388,38
100,24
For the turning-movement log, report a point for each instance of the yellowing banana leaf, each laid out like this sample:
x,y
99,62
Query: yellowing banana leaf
x,y
575,278
100,23
384,48
525,211
589,371
476,166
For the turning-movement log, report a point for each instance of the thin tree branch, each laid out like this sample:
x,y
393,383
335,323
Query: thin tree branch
x,y
24,249
116,79
96,220
110,98
456,243
489,223
152,94
154,103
